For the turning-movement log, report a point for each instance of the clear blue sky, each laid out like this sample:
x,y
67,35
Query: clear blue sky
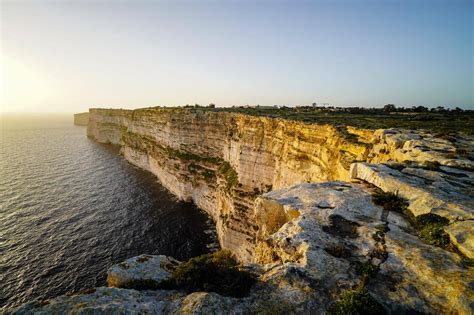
x,y
69,56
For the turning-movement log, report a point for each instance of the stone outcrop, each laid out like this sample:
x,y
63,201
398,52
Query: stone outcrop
x,y
336,229
314,242
141,271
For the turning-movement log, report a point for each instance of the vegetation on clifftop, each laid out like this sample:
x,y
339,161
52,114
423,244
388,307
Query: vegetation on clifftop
x,y
390,201
429,226
356,301
438,120
215,272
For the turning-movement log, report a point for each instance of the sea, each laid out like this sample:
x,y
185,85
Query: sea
x,y
70,208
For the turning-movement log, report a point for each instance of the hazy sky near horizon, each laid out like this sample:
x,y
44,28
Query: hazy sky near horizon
x,y
71,55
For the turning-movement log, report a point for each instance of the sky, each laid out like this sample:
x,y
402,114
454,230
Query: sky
x,y
68,56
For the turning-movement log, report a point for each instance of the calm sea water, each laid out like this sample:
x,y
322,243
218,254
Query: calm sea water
x,y
70,208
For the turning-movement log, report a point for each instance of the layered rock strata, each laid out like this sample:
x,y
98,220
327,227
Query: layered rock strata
x,y
223,161
81,119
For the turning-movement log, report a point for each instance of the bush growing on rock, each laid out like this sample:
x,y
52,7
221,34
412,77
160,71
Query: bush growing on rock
x,y
389,201
215,272
366,269
430,229
356,301
229,173
429,226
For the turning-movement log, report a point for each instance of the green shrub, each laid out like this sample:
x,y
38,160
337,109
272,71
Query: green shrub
x,y
208,174
366,269
430,229
379,237
390,201
356,301
216,272
231,176
429,226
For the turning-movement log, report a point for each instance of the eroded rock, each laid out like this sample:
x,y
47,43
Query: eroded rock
x,y
312,241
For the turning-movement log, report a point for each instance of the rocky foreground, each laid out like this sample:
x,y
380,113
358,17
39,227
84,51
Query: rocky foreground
x,y
319,241
382,219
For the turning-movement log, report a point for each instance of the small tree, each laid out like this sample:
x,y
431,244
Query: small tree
x,y
420,109
389,108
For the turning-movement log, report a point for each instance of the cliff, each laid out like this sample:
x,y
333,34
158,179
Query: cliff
x,y
81,119
325,216
223,161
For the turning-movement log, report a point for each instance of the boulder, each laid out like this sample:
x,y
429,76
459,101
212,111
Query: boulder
x,y
144,271
422,147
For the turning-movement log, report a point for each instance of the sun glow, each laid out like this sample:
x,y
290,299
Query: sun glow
x,y
21,85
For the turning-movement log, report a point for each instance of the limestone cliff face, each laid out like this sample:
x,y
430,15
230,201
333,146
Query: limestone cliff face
x,y
223,161
81,119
